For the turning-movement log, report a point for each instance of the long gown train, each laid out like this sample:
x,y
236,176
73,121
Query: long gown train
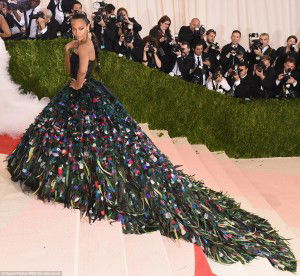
x,y
86,151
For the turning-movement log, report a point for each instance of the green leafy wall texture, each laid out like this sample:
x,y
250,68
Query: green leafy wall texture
x,y
243,129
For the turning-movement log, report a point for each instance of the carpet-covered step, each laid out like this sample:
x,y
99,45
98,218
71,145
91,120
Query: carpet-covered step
x,y
41,237
146,255
100,249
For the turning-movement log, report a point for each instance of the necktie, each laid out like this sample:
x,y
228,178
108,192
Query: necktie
x,y
199,62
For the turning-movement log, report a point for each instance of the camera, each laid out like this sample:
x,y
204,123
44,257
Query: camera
x,y
176,48
151,47
128,36
293,48
121,18
37,15
98,17
215,46
260,67
112,19
235,70
216,75
200,30
197,76
100,13
254,42
287,75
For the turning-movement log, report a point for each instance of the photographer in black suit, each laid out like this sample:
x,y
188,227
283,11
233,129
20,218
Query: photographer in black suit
x,y
126,47
130,28
184,61
288,80
284,52
245,86
59,9
212,50
47,27
265,76
259,47
230,51
200,72
192,33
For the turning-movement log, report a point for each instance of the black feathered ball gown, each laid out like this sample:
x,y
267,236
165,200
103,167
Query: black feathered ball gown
x,y
86,151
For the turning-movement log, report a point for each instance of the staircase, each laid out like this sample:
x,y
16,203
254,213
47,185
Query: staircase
x,y
38,236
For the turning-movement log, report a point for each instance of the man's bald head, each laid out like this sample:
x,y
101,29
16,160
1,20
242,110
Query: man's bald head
x,y
195,22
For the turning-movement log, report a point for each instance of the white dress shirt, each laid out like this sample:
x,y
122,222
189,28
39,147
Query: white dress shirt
x,y
33,27
59,15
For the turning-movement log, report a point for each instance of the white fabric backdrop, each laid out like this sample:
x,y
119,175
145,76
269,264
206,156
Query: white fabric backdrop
x,y
276,17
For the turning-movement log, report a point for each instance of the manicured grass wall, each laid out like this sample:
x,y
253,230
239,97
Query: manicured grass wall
x,y
261,128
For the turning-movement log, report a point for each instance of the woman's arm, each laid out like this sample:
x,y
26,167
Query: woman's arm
x,y
157,59
83,66
4,26
68,47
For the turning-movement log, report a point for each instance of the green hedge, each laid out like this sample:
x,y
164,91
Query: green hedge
x,y
261,128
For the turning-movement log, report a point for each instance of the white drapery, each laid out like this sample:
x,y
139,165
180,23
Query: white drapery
x,y
276,17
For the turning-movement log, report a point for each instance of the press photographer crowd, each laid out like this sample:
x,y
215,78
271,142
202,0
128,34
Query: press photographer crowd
x,y
193,54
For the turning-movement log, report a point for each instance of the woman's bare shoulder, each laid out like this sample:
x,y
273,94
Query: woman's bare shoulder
x,y
86,49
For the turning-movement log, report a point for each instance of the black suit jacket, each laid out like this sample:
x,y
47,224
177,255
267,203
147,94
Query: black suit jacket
x,y
267,86
66,6
281,55
185,65
293,91
186,34
52,29
248,88
228,62
252,57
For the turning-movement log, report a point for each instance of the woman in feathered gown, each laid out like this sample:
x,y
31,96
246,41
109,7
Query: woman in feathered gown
x,y
86,151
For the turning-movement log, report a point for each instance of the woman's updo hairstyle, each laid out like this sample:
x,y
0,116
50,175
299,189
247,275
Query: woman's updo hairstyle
x,y
84,17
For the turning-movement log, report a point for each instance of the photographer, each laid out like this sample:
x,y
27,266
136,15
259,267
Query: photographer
x,y
66,28
230,52
126,21
287,81
130,28
290,50
47,28
150,53
192,33
126,47
184,61
109,28
217,82
259,47
213,49
161,32
28,19
265,75
244,84
59,9
4,29
12,18
200,71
